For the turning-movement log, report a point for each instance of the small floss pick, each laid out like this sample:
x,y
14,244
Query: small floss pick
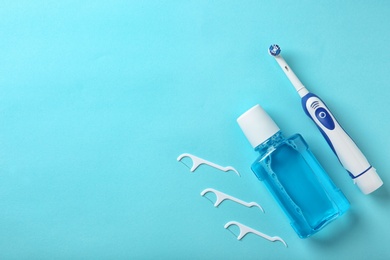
x,y
222,196
196,162
244,230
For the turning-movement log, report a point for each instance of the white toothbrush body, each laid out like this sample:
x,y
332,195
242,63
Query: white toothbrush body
x,y
349,155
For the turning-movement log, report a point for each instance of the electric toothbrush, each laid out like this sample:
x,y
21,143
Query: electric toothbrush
x,y
349,155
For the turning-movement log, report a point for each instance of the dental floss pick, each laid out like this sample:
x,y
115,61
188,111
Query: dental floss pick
x,y
223,196
197,161
244,230
349,155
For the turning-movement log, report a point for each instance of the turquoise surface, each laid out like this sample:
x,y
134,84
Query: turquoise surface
x,y
99,98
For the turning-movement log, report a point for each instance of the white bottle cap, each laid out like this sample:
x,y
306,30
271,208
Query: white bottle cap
x,y
257,125
369,181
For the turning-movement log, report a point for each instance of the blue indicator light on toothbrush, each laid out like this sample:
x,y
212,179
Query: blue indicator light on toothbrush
x,y
349,155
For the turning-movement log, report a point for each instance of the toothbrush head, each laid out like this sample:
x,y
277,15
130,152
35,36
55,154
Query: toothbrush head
x,y
274,50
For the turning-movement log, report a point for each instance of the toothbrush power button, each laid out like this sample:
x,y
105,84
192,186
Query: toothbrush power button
x,y
324,117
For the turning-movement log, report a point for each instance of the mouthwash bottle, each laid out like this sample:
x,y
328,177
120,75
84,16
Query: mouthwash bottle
x,y
292,174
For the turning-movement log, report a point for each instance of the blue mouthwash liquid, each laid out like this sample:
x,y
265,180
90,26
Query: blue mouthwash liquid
x,y
292,174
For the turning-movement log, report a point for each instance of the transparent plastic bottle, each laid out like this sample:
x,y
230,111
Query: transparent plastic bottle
x,y
292,174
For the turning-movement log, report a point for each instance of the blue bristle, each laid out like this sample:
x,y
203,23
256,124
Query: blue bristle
x,y
274,50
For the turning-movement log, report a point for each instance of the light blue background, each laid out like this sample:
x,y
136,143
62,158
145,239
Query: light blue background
x,y
99,98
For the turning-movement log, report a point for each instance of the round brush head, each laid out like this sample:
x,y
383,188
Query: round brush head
x,y
274,50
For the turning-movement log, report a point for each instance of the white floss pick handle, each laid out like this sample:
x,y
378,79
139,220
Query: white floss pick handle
x,y
244,230
196,162
223,196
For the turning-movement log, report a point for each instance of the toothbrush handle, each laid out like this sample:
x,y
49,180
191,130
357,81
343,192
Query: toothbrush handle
x,y
342,145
